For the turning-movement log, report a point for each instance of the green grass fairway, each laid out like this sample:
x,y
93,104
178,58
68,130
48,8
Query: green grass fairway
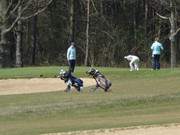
x,y
137,98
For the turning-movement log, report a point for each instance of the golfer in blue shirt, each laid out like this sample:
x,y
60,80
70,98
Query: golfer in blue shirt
x,y
71,57
156,52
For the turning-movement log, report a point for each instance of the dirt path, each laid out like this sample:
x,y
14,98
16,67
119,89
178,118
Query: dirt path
x,y
154,130
35,85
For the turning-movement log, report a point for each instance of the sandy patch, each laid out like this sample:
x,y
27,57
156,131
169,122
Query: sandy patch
x,y
36,85
154,130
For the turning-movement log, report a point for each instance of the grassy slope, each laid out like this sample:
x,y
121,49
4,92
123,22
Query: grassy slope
x,y
137,98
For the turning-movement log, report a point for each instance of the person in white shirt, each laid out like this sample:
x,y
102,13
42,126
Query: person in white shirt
x,y
133,62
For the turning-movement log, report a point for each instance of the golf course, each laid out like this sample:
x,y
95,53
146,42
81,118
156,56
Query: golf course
x,y
143,98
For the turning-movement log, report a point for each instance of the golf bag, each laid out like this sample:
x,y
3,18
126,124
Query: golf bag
x,y
101,80
71,80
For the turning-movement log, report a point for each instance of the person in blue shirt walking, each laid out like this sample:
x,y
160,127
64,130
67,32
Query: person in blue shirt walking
x,y
156,52
71,57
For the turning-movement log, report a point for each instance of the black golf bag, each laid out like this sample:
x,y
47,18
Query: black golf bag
x,y
101,80
70,80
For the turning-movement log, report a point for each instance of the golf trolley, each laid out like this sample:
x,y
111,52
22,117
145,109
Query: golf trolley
x,y
101,80
70,80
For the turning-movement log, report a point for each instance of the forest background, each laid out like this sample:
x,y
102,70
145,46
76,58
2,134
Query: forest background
x,y
38,32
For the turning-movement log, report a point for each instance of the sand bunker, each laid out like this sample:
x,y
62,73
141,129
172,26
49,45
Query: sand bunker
x,y
36,85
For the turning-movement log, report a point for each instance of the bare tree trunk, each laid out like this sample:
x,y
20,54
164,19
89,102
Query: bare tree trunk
x,y
34,39
135,23
71,30
3,42
172,38
146,15
101,7
19,42
87,35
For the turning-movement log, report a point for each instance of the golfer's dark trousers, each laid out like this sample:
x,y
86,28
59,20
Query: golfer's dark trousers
x,y
156,63
72,65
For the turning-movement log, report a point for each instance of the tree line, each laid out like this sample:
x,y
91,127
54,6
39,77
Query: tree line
x,y
38,32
